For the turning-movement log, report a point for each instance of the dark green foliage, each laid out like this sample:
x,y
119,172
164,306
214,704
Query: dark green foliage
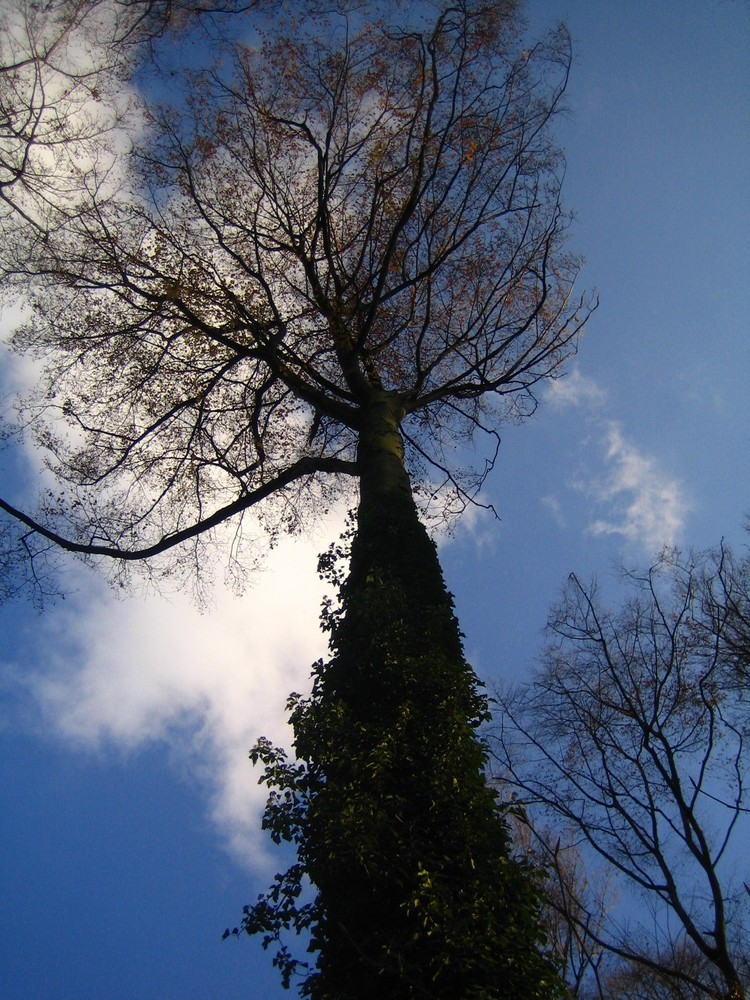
x,y
393,821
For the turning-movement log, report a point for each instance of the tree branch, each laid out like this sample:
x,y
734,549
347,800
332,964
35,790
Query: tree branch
x,y
298,470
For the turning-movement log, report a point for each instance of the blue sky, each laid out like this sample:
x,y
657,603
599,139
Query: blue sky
x,y
129,833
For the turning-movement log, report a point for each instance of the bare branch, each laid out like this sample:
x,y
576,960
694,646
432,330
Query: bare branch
x,y
339,209
631,733
303,468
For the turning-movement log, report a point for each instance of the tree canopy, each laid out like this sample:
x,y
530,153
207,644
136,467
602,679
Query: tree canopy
x,y
337,209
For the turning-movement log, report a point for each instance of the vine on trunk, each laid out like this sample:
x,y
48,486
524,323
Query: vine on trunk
x,y
414,893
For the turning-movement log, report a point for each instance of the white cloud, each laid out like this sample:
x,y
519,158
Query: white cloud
x,y
645,505
477,524
128,673
574,389
553,505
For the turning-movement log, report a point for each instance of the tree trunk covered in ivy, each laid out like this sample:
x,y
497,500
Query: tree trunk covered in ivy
x,y
393,819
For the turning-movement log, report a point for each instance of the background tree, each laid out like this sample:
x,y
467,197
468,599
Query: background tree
x,y
338,255
633,732
632,980
576,898
725,613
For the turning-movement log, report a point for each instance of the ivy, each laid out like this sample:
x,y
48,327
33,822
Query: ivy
x,y
403,884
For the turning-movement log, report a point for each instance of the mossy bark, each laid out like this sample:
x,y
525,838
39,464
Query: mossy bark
x,y
411,860
400,834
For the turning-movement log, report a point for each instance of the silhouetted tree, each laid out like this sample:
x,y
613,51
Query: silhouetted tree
x,y
65,69
333,258
633,733
351,232
416,892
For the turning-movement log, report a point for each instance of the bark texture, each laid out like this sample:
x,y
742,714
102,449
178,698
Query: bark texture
x,y
399,832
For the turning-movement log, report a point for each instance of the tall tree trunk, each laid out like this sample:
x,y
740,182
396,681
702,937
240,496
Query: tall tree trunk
x,y
410,856
382,474
394,821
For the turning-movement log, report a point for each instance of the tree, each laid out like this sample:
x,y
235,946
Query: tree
x,y
725,613
66,106
51,109
634,732
64,72
393,267
416,893
635,981
576,899
334,257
